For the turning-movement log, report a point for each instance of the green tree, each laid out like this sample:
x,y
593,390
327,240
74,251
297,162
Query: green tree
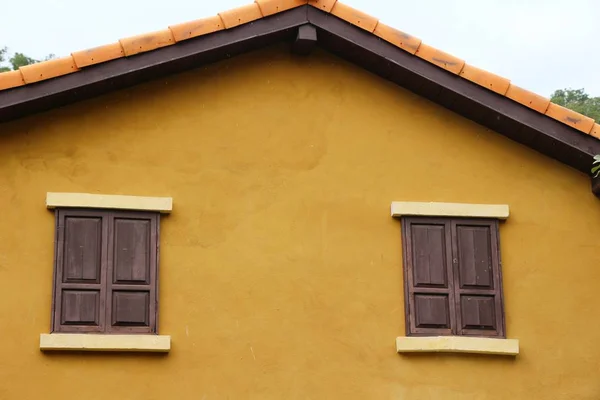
x,y
3,52
578,100
20,60
17,60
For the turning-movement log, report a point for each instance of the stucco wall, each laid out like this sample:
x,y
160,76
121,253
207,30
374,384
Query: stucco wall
x,y
281,270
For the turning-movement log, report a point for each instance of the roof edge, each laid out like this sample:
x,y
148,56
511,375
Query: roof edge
x,y
388,53
260,9
127,71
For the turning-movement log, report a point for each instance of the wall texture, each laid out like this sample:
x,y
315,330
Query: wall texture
x,y
281,270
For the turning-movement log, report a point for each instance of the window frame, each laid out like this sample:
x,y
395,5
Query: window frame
x,y
454,289
106,284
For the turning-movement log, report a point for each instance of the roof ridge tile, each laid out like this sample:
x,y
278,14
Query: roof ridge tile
x,y
48,69
240,15
354,16
486,79
440,58
11,79
570,117
527,98
595,132
270,7
398,38
96,55
197,27
323,5
146,42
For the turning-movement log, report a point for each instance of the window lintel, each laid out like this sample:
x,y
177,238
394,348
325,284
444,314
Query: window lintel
x,y
109,201
433,209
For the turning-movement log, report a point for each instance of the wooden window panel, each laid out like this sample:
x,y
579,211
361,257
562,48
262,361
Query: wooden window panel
x,y
453,280
477,278
132,267
105,275
430,304
79,293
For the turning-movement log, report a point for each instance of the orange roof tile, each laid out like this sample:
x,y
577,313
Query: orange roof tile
x,y
596,131
440,58
270,7
324,5
98,55
486,79
570,117
199,27
48,69
263,8
398,38
354,16
527,98
240,15
11,79
146,42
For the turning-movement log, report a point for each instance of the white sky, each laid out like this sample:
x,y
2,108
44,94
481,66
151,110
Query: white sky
x,y
541,45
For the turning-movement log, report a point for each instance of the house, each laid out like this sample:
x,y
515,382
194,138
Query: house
x,y
292,200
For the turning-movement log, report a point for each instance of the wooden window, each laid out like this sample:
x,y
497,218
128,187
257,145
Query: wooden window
x,y
452,277
105,272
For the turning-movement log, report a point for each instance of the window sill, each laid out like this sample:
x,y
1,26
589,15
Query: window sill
x,y
457,344
95,342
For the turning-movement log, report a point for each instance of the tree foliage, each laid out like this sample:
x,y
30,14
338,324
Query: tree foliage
x,y
578,100
20,60
17,60
3,52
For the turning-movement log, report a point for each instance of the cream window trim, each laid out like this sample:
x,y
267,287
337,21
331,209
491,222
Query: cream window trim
x,y
406,208
457,344
94,342
88,200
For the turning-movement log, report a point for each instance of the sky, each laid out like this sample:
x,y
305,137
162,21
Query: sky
x,y
541,45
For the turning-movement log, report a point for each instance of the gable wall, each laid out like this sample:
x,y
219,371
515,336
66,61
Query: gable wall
x,y
281,269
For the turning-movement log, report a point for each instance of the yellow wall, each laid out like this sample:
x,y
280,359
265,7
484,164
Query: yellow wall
x,y
281,271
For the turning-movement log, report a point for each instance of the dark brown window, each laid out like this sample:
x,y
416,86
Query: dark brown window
x,y
452,277
105,271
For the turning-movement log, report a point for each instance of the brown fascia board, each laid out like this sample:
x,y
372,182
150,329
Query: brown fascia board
x,y
352,43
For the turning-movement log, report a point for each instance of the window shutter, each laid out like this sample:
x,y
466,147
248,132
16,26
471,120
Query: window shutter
x,y
132,272
429,298
478,283
79,293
